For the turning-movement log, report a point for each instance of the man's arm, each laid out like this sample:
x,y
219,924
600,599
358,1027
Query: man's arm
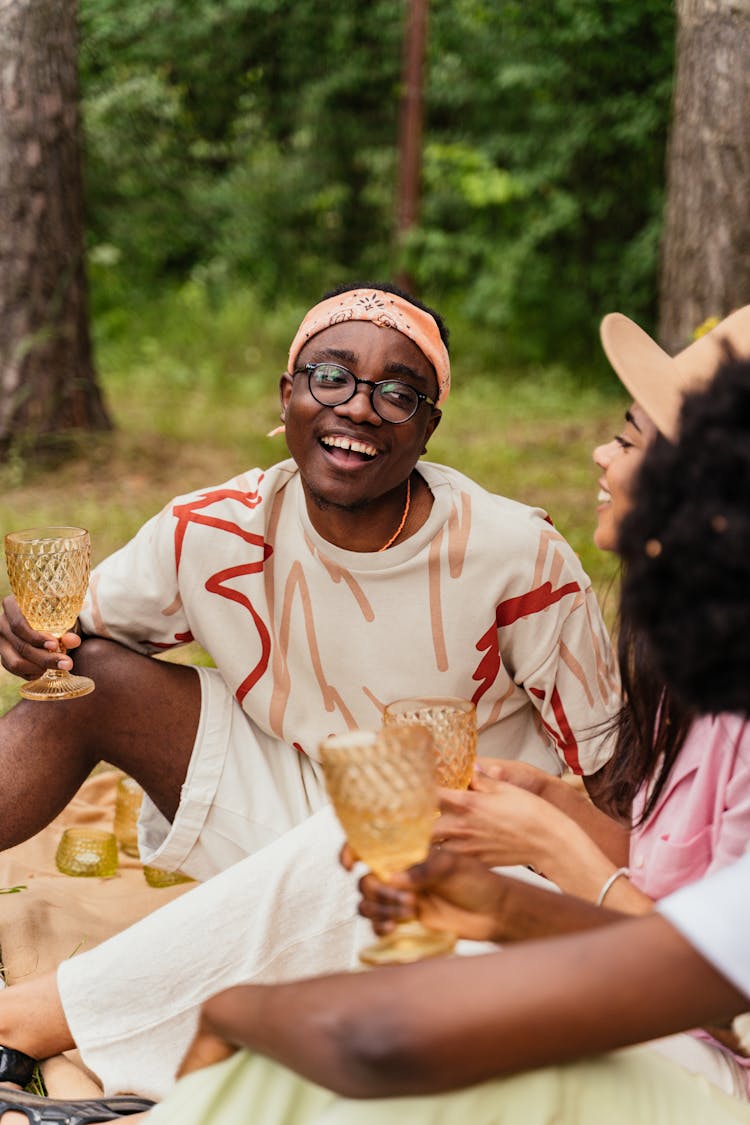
x,y
459,894
443,1024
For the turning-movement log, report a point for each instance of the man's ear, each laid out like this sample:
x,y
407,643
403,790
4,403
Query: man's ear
x,y
432,425
285,391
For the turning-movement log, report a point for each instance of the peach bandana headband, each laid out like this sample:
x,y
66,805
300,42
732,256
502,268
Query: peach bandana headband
x,y
386,310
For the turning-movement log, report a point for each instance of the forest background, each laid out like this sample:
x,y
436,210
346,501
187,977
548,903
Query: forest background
x,y
241,157
255,141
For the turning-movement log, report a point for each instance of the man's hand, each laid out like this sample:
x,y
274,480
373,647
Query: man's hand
x,y
26,653
447,892
455,893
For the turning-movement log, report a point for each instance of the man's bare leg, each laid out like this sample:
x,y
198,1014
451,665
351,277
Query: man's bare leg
x,y
142,717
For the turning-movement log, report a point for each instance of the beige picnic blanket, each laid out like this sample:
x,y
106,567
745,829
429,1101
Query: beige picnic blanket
x,y
57,916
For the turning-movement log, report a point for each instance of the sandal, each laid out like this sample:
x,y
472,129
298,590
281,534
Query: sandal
x,y
16,1067
53,1111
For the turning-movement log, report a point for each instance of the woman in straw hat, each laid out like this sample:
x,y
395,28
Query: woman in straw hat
x,y
678,786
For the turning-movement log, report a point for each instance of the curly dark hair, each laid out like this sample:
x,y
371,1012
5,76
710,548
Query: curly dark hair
x,y
686,548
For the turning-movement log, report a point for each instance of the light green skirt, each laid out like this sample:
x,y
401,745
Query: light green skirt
x,y
620,1089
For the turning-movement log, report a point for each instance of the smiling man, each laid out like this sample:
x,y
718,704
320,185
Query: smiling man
x,y
322,588
357,451
347,576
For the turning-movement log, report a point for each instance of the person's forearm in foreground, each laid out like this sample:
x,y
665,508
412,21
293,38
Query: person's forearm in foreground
x,y
439,1025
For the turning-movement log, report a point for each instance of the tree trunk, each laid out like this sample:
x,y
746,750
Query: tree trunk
x,y
47,379
410,131
706,246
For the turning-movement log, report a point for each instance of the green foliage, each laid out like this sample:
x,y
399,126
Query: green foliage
x,y
552,200
254,142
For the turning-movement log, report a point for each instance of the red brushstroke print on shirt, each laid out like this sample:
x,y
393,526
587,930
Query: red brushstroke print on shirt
x,y
179,639
563,736
507,613
185,514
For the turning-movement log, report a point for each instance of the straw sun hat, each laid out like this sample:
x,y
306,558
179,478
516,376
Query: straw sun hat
x,y
658,381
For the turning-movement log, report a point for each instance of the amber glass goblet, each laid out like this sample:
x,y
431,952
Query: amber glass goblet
x,y
48,571
382,785
453,726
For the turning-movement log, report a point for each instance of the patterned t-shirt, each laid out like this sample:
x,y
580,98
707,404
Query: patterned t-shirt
x,y
486,602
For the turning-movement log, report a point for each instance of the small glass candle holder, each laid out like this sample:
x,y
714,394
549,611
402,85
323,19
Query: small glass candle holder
x,y
156,877
127,810
87,851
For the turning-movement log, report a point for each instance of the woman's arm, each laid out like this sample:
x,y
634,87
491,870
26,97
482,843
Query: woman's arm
x,y
610,834
501,824
443,1024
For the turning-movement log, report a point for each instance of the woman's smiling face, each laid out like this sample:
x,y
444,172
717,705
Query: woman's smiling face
x,y
619,460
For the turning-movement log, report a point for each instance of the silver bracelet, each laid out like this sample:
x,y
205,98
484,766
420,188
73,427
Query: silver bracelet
x,y
608,883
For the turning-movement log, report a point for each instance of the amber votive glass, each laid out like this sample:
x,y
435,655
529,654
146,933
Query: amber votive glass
x,y
156,877
87,851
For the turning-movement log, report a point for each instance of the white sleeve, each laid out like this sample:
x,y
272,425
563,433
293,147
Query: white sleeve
x,y
133,595
714,916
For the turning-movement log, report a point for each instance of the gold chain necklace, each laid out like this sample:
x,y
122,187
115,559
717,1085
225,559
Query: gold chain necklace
x,y
400,527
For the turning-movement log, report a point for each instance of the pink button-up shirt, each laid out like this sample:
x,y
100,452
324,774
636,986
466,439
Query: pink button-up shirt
x,y
702,818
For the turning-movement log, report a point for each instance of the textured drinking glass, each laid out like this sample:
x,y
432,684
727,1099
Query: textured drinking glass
x,y
87,851
48,571
128,800
156,877
453,726
382,786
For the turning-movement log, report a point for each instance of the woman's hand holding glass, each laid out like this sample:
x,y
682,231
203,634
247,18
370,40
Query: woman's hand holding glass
x,y
521,774
498,823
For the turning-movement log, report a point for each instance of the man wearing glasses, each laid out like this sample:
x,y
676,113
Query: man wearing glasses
x,y
323,587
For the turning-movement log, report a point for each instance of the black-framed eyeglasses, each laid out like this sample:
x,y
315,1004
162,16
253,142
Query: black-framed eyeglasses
x,y
332,385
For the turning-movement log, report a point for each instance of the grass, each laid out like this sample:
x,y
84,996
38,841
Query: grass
x,y
192,391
